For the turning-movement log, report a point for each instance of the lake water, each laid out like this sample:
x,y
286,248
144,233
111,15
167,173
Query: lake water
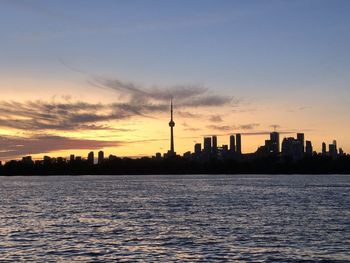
x,y
240,218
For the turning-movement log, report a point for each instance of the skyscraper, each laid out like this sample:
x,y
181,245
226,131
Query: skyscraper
x,y
292,148
238,143
301,139
308,148
215,145
324,148
197,148
100,157
171,125
332,150
341,152
335,146
275,142
91,158
207,145
232,144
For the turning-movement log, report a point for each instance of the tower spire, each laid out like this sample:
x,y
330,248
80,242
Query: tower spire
x,y
171,125
171,108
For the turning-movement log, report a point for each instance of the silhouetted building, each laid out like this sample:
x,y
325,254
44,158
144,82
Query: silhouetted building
x,y
171,125
232,144
332,150
90,158
215,145
197,148
27,159
112,157
101,157
271,146
264,160
224,151
47,160
324,149
158,156
60,160
207,145
261,151
335,146
301,139
292,148
274,142
308,148
187,155
238,144
267,148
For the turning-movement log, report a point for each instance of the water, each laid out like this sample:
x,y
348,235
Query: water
x,y
256,218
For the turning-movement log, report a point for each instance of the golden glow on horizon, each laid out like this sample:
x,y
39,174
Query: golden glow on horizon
x,y
144,136
150,135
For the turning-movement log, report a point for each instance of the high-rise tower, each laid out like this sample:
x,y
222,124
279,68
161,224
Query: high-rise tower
x,y
100,157
238,144
324,148
275,142
91,158
301,139
232,144
171,125
215,145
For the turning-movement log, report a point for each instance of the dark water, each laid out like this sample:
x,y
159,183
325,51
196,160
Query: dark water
x,y
236,218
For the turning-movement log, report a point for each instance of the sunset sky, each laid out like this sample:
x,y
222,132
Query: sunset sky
x,y
87,75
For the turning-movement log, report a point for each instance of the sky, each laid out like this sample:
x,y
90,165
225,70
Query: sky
x,y
96,75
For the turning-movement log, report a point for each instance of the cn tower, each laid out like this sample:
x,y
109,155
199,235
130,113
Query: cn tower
x,y
171,125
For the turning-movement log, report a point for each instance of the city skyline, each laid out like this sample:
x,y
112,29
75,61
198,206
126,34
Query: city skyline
x,y
295,148
174,130
292,155
211,148
84,76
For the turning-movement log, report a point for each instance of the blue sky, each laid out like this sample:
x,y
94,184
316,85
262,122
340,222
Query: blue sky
x,y
223,43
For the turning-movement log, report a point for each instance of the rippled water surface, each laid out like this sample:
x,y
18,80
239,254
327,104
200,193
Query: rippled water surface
x,y
257,218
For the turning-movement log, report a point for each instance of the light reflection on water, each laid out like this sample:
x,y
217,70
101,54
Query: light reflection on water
x,y
258,218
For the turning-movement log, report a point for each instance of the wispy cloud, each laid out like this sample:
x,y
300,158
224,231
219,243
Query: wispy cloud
x,y
41,115
263,133
183,95
190,128
301,108
215,118
221,127
187,114
133,100
247,133
249,126
244,110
